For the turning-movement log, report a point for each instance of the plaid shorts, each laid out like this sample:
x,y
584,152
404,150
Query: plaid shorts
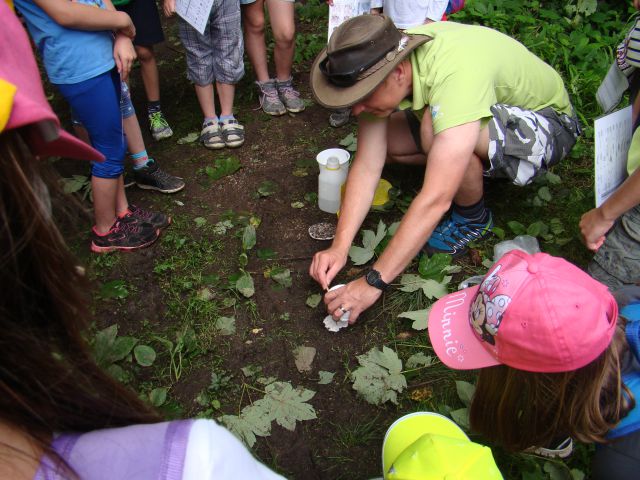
x,y
216,55
524,143
617,261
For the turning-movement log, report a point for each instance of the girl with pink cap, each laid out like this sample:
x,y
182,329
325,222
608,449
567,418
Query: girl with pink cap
x,y
555,359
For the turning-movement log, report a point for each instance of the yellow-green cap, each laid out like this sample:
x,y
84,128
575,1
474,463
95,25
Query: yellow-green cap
x,y
429,446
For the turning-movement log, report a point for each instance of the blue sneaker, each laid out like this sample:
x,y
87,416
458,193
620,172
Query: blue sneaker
x,y
453,234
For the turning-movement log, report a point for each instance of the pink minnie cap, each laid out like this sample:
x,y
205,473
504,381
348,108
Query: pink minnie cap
x,y
22,101
531,312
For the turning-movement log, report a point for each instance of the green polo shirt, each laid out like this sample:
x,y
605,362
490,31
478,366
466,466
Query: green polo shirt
x,y
466,69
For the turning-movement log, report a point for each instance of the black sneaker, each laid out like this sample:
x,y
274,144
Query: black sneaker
x,y
125,234
152,177
158,220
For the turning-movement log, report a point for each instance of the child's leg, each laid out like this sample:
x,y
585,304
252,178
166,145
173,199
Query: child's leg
x,y
281,16
149,72
95,104
253,23
206,99
226,94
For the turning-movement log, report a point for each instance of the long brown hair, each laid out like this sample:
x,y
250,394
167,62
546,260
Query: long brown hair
x,y
48,379
519,409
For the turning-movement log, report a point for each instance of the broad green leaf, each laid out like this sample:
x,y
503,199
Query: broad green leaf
x,y
249,237
226,325
74,184
280,275
304,357
587,7
103,344
410,282
556,226
287,405
553,179
461,417
557,470
243,260
314,300
144,355
223,167
267,188
252,422
311,197
245,286
433,289
325,377
544,193
158,396
538,229
379,378
517,227
114,289
465,391
190,138
498,232
418,317
359,255
419,360
370,240
121,347
393,228
432,267
577,474
200,222
117,372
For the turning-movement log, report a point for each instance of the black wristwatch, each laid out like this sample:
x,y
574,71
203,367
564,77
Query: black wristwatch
x,y
374,279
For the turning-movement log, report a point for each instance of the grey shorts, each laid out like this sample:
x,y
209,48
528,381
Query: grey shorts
x,y
522,143
617,261
216,55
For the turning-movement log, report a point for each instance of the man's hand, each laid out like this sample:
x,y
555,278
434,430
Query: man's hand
x,y
169,7
326,264
354,297
124,54
593,227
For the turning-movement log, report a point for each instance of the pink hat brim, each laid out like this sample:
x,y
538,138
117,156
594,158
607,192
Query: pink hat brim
x,y
66,145
452,335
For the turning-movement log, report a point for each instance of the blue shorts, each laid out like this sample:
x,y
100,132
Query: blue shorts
x,y
95,103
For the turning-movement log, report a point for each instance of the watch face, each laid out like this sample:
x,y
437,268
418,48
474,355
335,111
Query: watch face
x,y
372,277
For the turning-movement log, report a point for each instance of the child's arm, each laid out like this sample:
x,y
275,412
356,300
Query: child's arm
x,y
85,17
169,7
596,223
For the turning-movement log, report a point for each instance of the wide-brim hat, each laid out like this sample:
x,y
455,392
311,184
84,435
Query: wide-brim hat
x,y
360,54
23,104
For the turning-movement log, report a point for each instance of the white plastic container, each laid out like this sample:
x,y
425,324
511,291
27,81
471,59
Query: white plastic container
x,y
334,168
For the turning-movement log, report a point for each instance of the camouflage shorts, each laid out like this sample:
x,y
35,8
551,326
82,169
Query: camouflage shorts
x,y
524,143
617,261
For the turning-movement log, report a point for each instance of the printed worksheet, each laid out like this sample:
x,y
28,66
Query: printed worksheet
x,y
612,139
342,10
195,12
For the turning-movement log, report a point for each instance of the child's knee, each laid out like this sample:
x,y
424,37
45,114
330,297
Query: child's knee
x,y
253,24
145,54
285,37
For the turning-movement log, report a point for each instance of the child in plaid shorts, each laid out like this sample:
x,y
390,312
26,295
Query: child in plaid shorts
x,y
215,56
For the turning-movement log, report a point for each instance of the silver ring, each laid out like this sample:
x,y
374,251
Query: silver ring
x,y
341,308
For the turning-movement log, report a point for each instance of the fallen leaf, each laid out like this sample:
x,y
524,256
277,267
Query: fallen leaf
x,y
255,331
314,300
421,394
304,358
325,377
190,138
226,325
297,205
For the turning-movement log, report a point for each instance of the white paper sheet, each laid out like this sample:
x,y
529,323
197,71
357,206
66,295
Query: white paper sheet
x,y
611,89
612,140
195,12
342,10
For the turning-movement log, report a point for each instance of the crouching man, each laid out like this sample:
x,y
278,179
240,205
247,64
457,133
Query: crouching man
x,y
478,103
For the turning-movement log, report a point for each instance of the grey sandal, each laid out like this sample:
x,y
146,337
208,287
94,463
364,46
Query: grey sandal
x,y
232,133
211,136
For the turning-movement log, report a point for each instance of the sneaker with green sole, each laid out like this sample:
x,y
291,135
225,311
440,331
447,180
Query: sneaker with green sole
x,y
159,126
152,177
